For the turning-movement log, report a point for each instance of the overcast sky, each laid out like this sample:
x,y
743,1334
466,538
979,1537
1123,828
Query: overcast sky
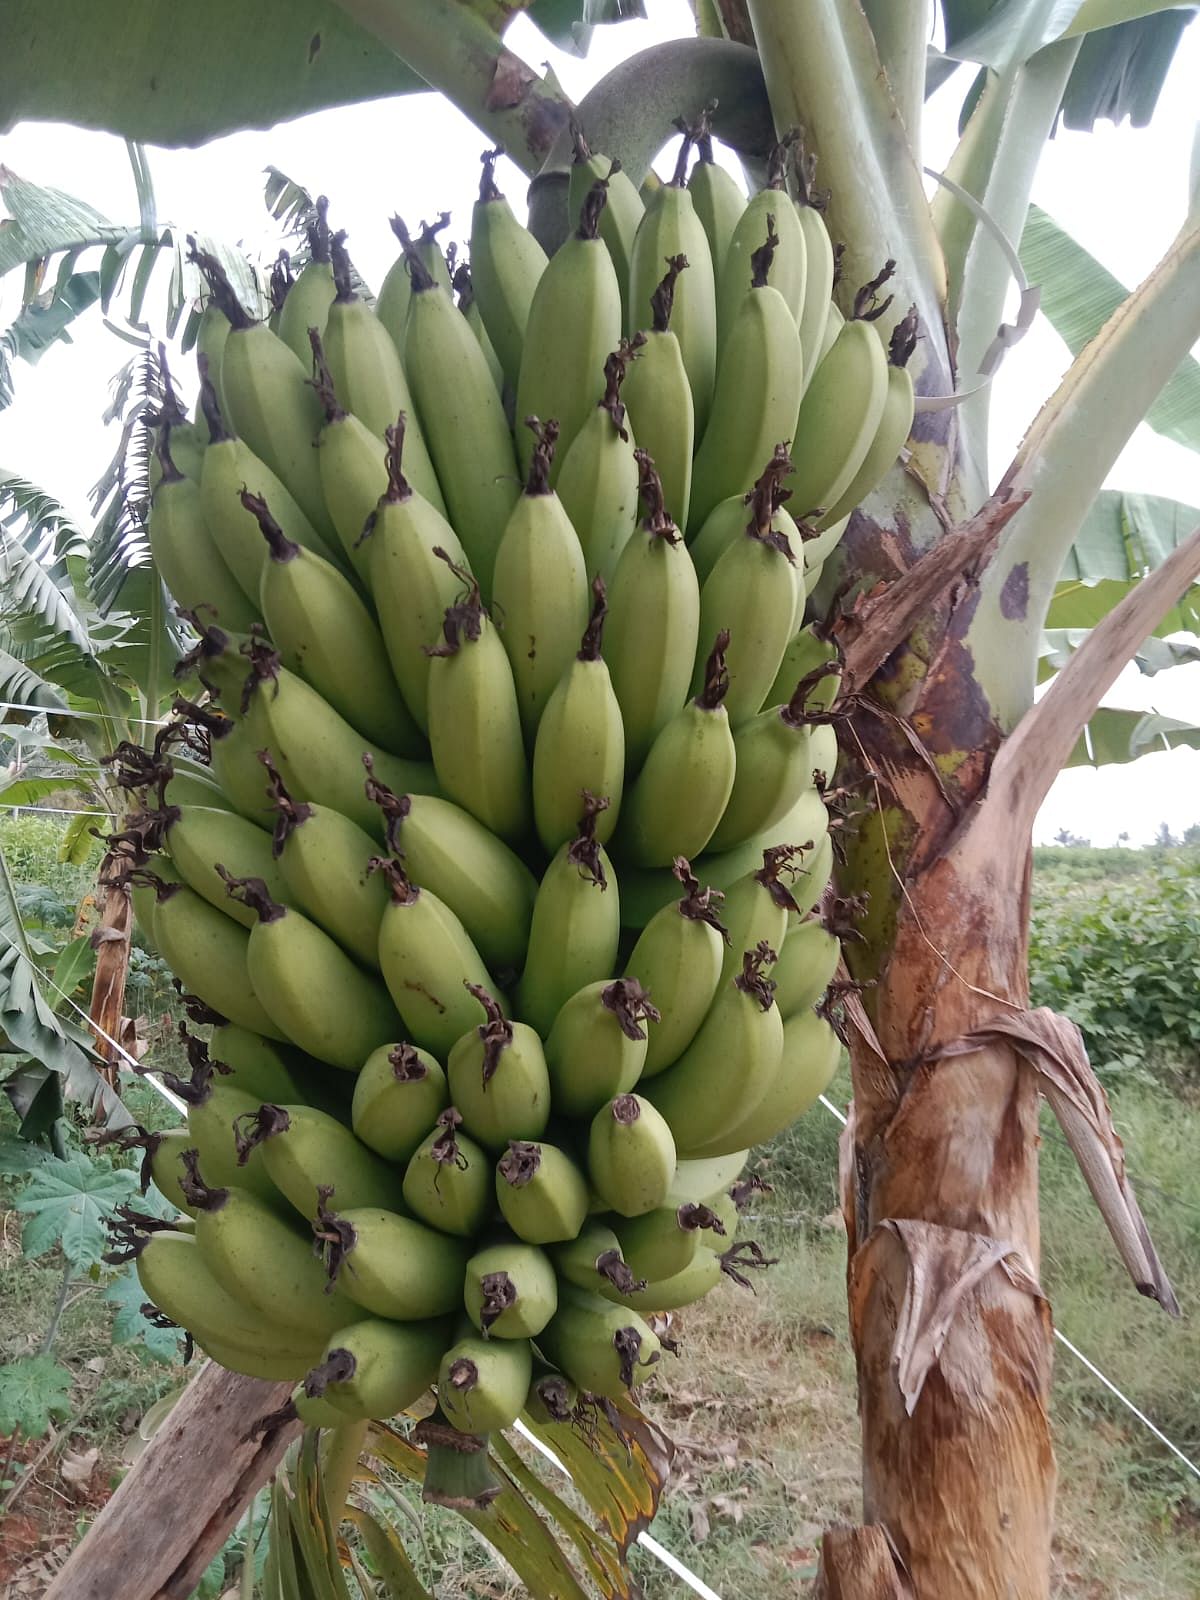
x,y
1121,192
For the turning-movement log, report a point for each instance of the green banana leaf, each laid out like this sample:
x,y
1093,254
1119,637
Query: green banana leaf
x,y
1079,295
1155,656
1115,736
1123,537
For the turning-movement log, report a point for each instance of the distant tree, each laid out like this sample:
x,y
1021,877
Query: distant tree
x,y
1073,841
1164,839
1191,834
1123,839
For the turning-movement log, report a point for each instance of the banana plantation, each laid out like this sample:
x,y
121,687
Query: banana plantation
x,y
547,706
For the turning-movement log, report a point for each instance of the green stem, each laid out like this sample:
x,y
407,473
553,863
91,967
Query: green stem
x,y
902,34
56,1315
458,52
340,1452
1065,458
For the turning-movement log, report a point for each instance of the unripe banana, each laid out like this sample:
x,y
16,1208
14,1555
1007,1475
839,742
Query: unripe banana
x,y
576,925
260,1362
658,398
824,747
246,1061
605,1349
448,1181
574,321
310,297
757,904
819,259
270,402
395,292
235,743
199,835
506,264
411,585
593,1261
429,963
802,659
834,323
309,1156
229,467
498,1078
580,741
719,203
464,288
806,966
724,1223
597,1045
475,718
678,958
539,585
353,471
552,1397
208,952
631,1155
894,426
683,788
185,553
325,634
728,521
265,1260
189,442
393,1266
397,1098
163,1159
774,767
309,986
841,411
463,419
671,228
542,1194
758,391
697,1279
378,1368
211,338
705,1179
510,1291
701,1097
807,1065
660,1243
653,622
770,210
620,218
482,1383
486,885
598,483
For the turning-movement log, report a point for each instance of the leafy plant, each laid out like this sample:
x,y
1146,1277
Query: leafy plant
x,y
34,1392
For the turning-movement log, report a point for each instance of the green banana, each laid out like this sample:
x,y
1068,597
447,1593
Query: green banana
x,y
353,470
506,264
395,292
246,1061
475,718
270,402
324,861
378,1368
603,1348
310,1156
653,622
229,467
185,553
448,1181
807,1064
620,218
164,1168
819,261
719,202
235,743
757,905
772,212
631,1154
464,288
482,1383
702,1095
841,411
574,321
806,966
697,1279
706,1179
541,1193
806,653
211,338
597,1046
325,634
671,228
592,1260
598,483
678,958
498,1078
580,741
824,747
397,1098
552,1397
412,587
893,428
539,584
254,1363
264,1259
429,963
658,398
682,790
575,928
393,1266
310,297
197,836
463,419
510,1291
660,1243
445,850
313,990
757,394
774,766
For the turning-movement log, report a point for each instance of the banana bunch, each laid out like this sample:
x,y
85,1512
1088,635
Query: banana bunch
x,y
488,837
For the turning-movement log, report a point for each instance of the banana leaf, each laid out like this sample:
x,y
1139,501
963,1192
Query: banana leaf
x,y
1115,736
1123,537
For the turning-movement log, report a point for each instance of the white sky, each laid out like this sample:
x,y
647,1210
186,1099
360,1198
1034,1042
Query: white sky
x,y
1121,192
